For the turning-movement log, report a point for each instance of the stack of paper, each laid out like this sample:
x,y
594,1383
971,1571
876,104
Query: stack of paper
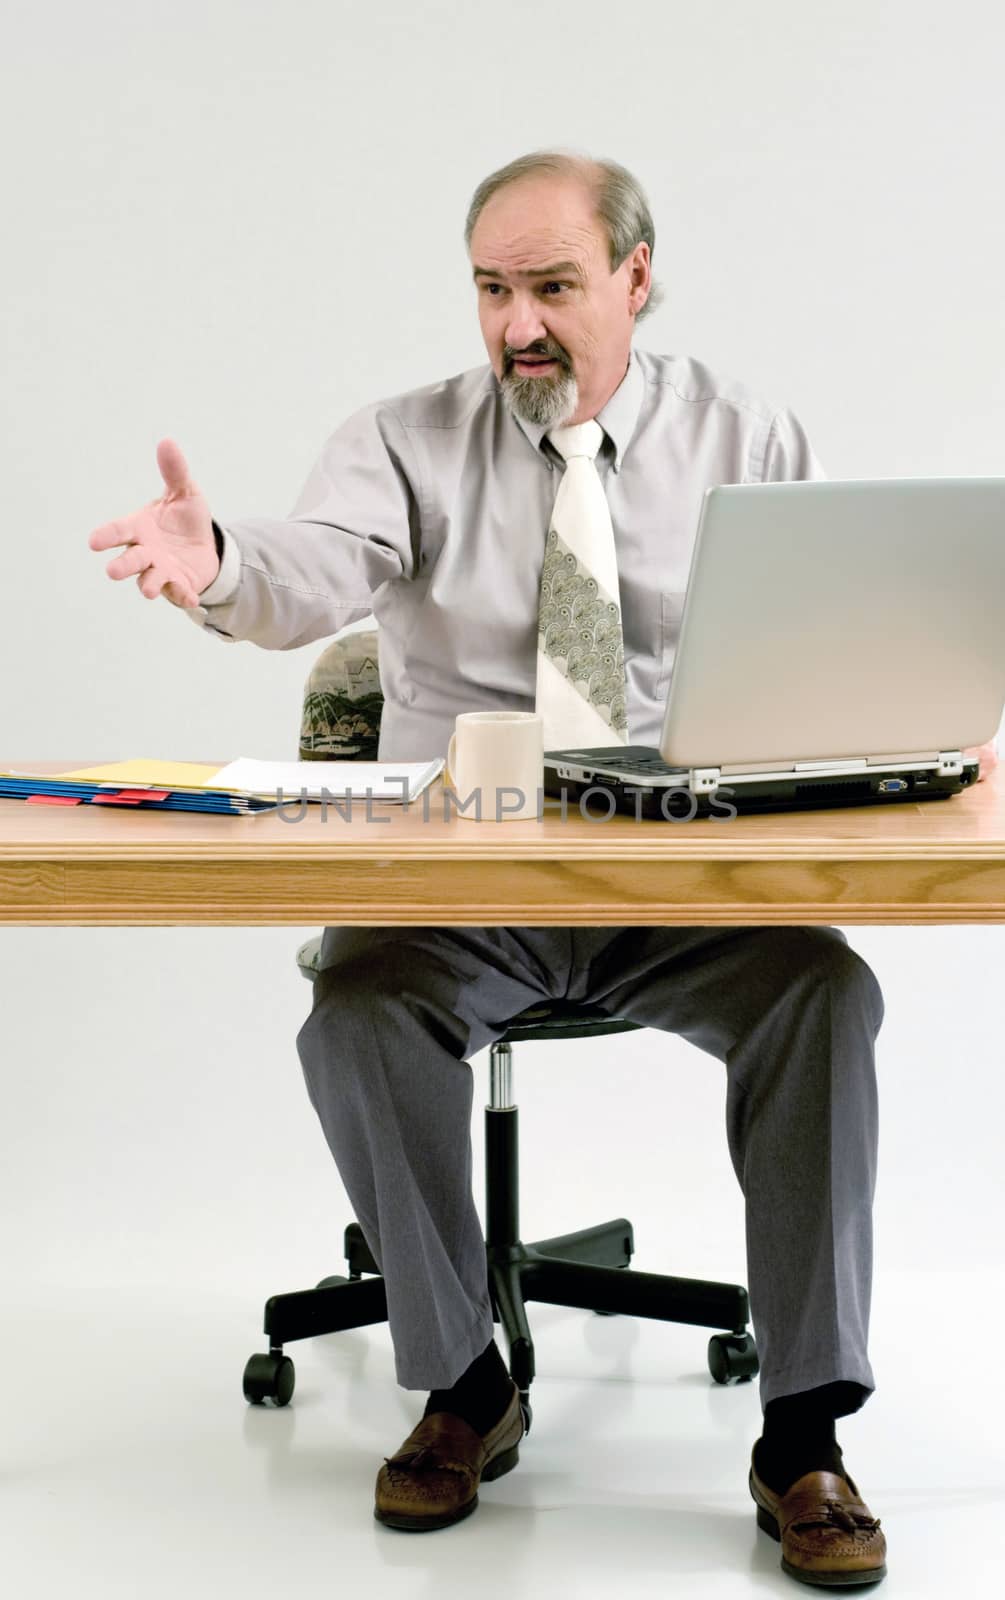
x,y
240,788
382,780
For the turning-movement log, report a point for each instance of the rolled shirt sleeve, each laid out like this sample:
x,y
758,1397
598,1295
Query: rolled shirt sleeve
x,y
354,528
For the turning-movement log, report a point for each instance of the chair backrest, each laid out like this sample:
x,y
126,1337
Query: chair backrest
x,y
340,719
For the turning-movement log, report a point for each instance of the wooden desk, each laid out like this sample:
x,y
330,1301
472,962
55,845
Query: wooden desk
x,y
937,861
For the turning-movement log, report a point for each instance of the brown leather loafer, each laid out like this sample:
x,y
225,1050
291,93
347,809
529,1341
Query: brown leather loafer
x,y
827,1532
433,1479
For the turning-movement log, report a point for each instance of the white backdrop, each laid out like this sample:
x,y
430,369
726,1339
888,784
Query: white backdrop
x,y
235,223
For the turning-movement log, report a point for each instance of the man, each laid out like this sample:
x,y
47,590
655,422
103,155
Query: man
x,y
431,511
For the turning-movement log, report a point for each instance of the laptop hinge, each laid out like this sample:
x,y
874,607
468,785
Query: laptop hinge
x,y
703,780
950,763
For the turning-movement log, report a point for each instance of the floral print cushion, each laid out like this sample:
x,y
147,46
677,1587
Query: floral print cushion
x,y
343,702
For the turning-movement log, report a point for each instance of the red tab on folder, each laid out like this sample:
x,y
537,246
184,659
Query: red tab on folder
x,y
52,800
142,794
114,799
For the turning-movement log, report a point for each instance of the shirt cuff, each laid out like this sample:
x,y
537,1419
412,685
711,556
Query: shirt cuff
x,y
228,579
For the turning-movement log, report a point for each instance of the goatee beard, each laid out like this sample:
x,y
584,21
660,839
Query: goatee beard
x,y
550,401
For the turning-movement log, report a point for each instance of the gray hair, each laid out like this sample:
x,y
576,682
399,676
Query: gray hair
x,y
618,197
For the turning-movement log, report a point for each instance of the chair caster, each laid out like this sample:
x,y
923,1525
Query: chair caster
x,y
732,1357
269,1379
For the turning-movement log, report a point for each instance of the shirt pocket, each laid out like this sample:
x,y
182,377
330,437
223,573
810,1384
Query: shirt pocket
x,y
671,608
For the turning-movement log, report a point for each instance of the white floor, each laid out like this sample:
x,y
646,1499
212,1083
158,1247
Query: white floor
x,y
156,1136
131,1464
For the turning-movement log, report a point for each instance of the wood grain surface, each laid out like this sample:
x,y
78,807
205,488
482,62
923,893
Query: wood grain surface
x,y
933,861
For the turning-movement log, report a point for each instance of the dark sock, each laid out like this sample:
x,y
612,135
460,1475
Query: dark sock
x,y
480,1395
798,1434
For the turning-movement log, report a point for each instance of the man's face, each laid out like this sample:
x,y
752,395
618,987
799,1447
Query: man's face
x,y
580,315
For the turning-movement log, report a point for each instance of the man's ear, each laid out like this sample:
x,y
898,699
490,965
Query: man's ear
x,y
640,278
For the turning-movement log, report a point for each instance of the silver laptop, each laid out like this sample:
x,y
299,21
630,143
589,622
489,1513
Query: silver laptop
x,y
840,643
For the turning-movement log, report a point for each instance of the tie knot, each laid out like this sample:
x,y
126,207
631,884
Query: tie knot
x,y
584,439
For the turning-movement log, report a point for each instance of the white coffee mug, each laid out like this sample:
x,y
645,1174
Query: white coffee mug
x,y
495,765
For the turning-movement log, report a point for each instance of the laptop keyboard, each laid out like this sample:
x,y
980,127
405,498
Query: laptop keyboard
x,y
618,760
646,764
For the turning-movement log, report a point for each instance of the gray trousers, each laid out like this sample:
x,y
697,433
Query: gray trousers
x,y
793,1014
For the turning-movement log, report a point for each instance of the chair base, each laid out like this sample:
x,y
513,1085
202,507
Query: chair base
x,y
588,1269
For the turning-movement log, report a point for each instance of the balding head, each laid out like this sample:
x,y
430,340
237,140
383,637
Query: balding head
x,y
541,260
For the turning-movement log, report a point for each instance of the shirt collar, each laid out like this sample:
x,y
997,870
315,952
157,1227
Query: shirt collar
x,y
618,417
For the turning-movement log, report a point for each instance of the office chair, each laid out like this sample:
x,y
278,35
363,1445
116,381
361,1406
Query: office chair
x,y
590,1268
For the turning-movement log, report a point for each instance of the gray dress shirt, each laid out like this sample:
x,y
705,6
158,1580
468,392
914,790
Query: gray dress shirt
x,y
430,511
